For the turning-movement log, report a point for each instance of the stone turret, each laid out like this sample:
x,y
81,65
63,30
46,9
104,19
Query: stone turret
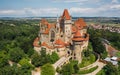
x,y
67,24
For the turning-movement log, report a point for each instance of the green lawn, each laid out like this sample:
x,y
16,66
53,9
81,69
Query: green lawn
x,y
88,71
88,57
101,72
87,60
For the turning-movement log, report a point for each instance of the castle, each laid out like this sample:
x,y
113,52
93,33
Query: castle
x,y
66,37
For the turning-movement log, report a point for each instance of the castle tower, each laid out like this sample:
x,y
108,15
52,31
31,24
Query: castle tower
x,y
66,25
81,25
43,27
77,42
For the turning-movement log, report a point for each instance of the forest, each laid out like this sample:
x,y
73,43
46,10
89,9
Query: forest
x,y
16,48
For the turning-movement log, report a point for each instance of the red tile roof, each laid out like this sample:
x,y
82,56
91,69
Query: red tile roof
x,y
59,42
74,29
59,46
80,23
77,37
36,42
46,45
77,34
66,15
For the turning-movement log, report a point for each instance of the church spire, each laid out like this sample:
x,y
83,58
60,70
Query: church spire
x,y
66,15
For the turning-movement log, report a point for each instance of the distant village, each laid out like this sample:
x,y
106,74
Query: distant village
x,y
105,27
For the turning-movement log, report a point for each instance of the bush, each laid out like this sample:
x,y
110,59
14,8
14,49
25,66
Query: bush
x,y
54,57
25,62
70,68
47,69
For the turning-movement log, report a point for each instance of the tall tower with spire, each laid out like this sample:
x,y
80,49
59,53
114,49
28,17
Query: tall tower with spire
x,y
66,24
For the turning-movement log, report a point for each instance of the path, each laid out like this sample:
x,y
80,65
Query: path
x,y
36,71
91,65
100,66
61,61
97,63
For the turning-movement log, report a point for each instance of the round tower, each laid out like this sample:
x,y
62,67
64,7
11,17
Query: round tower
x,y
77,42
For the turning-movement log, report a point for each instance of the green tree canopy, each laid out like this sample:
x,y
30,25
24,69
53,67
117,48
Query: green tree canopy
x,y
54,57
26,64
47,69
111,70
16,54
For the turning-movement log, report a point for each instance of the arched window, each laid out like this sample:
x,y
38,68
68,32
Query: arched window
x,y
52,36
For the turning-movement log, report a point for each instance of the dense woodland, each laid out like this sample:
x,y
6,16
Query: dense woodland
x,y
16,46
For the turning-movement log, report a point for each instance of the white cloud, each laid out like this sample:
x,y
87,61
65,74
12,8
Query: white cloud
x,y
114,1
32,12
11,12
81,10
115,6
103,9
92,10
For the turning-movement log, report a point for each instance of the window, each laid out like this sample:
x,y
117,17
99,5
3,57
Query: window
x,y
52,36
68,52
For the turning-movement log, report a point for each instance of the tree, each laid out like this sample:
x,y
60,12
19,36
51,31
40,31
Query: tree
x,y
3,59
40,59
76,68
111,70
47,69
16,54
54,57
95,38
87,53
25,63
36,59
67,69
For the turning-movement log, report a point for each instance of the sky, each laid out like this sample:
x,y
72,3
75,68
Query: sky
x,y
54,8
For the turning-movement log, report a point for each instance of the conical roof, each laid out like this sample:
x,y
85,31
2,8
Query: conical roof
x,y
77,37
77,34
66,15
80,23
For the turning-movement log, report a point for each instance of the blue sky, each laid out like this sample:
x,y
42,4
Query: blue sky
x,y
78,8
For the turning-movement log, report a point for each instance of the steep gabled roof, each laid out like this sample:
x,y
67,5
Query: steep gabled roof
x,y
66,15
80,23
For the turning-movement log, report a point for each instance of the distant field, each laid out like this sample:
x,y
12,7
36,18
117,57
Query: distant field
x,y
111,21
